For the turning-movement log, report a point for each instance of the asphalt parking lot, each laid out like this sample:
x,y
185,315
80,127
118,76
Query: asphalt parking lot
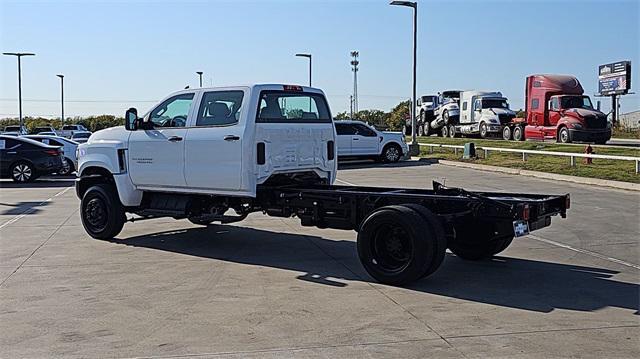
x,y
267,287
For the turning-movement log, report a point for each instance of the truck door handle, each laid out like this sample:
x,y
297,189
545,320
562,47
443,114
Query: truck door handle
x,y
175,138
231,138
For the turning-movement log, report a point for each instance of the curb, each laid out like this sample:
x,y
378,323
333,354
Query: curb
x,y
544,175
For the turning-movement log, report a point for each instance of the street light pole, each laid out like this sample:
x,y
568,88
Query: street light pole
x,y
309,57
61,99
414,147
19,56
200,74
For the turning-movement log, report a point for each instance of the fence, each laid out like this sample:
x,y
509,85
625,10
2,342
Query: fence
x,y
525,153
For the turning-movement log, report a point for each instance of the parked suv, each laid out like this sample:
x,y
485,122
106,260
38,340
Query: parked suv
x,y
358,139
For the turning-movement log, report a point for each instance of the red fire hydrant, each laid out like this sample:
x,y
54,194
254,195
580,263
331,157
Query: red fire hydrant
x,y
588,150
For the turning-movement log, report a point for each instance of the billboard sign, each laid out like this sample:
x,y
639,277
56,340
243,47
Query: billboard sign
x,y
614,78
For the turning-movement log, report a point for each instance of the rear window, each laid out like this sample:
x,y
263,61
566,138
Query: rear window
x,y
81,135
292,107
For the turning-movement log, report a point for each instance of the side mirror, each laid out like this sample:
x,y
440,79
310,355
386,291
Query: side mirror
x,y
131,119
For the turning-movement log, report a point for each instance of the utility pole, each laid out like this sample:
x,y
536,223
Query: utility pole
x,y
351,107
414,147
61,100
200,74
355,63
19,55
309,57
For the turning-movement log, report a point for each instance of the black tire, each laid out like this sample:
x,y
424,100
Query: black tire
x,y
484,131
391,153
439,237
199,222
420,131
452,131
67,167
102,214
397,245
506,133
564,136
444,131
476,242
23,172
518,133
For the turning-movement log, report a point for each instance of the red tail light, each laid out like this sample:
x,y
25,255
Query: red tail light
x,y
52,152
525,212
292,88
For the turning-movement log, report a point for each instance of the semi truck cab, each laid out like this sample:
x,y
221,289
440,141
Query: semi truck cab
x,y
483,113
557,109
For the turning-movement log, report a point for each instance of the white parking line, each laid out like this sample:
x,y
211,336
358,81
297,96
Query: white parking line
x,y
33,208
584,251
554,243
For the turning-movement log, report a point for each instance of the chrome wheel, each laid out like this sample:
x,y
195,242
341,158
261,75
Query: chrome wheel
x,y
66,167
392,154
564,135
22,172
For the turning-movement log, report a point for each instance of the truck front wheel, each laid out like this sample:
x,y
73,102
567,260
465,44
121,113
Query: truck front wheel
x,y
101,212
400,244
483,130
564,136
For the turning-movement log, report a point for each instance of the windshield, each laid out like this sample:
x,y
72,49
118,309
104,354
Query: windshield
x,y
81,135
12,128
575,102
495,103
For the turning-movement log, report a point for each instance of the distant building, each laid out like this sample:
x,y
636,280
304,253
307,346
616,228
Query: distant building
x,y
630,119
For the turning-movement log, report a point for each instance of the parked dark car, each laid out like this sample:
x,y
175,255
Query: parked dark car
x,y
24,160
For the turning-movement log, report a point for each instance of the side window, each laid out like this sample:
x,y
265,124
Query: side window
x,y
477,105
172,112
555,105
464,106
363,130
66,128
220,108
535,103
345,129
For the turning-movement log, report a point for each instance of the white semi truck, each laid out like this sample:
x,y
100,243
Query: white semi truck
x,y
482,113
218,154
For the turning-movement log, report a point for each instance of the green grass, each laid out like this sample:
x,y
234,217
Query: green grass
x,y
604,169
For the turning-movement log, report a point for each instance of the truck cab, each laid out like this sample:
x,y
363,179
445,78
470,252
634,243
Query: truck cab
x,y
217,141
483,113
557,109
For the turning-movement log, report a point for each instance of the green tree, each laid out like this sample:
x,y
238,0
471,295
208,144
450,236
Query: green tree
x,y
373,117
398,116
342,116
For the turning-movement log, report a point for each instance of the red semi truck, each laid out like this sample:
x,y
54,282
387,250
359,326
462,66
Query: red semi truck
x,y
556,108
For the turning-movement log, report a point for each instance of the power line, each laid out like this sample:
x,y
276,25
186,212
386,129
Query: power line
x,y
87,101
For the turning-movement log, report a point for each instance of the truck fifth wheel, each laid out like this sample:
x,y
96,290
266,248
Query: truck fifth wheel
x,y
218,154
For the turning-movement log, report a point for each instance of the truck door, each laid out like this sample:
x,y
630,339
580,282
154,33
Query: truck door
x,y
477,111
344,132
156,156
213,150
365,141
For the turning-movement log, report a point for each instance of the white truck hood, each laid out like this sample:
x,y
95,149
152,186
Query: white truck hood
x,y
110,135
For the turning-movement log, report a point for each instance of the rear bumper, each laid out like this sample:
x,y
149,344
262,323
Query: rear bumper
x,y
49,165
590,136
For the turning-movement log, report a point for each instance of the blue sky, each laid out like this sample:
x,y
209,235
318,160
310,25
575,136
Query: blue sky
x,y
115,55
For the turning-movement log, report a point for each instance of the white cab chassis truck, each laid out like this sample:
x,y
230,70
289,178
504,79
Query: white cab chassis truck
x,y
482,113
217,154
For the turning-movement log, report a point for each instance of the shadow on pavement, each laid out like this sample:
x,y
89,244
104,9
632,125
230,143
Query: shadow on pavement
x,y
44,182
22,207
372,164
509,282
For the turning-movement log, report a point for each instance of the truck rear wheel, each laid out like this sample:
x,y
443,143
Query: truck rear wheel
x,y
518,133
452,131
399,244
506,133
478,243
101,212
444,131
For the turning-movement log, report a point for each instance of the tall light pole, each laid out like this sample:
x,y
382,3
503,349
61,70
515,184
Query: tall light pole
x,y
200,74
19,55
61,99
414,147
355,63
309,57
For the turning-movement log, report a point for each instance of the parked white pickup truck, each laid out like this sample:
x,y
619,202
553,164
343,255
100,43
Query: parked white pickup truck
x,y
68,130
357,139
218,154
